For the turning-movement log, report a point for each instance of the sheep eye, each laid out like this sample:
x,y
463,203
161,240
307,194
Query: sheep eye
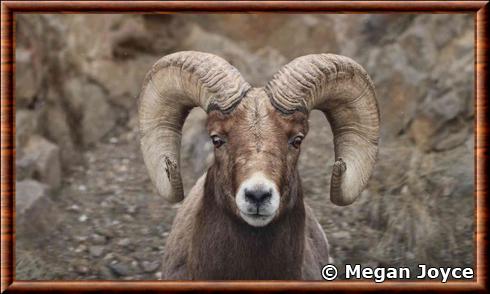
x,y
296,141
217,141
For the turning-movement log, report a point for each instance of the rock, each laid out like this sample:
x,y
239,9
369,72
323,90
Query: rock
x,y
341,235
166,31
105,273
57,128
256,67
82,269
45,159
124,242
150,266
107,232
109,256
266,63
96,251
131,39
83,218
252,31
442,33
398,98
28,192
418,46
81,238
26,125
446,107
421,131
381,29
132,209
431,131
81,248
27,77
24,167
98,120
450,139
122,79
74,208
127,218
120,268
98,239
399,87
444,164
35,213
87,101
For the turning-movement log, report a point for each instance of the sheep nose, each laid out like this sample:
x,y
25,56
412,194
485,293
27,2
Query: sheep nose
x,y
258,196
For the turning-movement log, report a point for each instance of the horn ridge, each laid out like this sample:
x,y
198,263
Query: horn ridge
x,y
173,86
344,92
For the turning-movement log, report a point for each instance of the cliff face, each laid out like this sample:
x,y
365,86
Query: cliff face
x,y
77,79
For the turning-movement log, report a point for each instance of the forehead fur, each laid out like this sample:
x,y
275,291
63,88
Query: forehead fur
x,y
256,116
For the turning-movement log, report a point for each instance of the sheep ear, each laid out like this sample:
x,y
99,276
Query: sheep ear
x,y
342,89
176,84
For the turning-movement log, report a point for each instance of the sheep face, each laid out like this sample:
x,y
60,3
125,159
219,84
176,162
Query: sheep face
x,y
257,131
256,154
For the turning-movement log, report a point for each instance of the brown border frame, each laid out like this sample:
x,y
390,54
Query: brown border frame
x,y
10,8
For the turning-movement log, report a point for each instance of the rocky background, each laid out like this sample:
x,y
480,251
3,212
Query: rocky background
x,y
86,208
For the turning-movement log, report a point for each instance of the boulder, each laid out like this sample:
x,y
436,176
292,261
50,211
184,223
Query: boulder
x,y
98,119
121,79
43,157
457,165
421,131
35,212
88,105
26,125
27,193
418,46
57,128
27,78
286,33
257,67
24,167
381,29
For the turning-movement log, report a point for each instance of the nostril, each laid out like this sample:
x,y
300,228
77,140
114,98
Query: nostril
x,y
257,196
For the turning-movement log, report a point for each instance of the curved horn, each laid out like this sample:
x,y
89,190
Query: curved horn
x,y
177,83
343,91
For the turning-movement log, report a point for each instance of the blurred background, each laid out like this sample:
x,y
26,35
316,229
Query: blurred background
x,y
85,208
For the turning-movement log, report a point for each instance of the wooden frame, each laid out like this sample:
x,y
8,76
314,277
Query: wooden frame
x,y
8,10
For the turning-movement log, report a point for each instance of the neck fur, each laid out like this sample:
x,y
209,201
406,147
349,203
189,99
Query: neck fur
x,y
225,247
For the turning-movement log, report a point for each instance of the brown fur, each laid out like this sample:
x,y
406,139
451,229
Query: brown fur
x,y
209,240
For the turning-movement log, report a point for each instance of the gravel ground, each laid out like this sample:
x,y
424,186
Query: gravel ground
x,y
112,226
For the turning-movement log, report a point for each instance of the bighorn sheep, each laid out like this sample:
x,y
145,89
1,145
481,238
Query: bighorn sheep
x,y
246,218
